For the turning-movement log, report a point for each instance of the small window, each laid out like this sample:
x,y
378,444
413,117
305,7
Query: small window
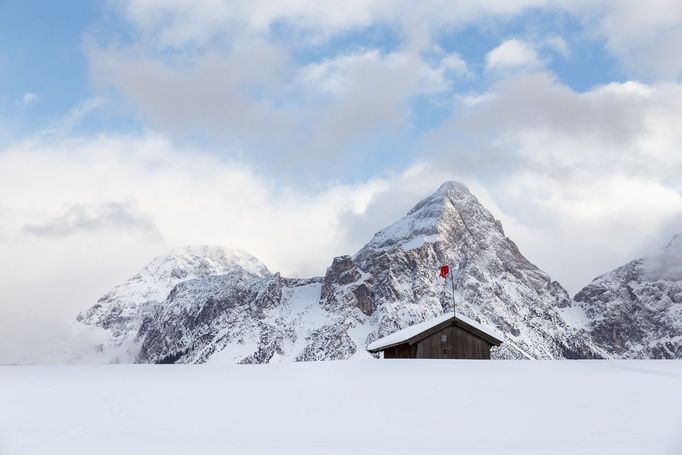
x,y
444,338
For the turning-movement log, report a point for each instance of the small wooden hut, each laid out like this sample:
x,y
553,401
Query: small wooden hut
x,y
445,337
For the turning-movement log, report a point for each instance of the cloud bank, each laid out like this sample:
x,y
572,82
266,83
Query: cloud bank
x,y
321,123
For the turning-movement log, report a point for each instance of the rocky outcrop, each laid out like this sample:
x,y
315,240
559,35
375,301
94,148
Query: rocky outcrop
x,y
248,315
635,311
495,283
122,310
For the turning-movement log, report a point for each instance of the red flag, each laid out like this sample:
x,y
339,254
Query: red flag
x,y
444,270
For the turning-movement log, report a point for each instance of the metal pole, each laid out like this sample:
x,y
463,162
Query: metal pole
x,y
454,312
452,284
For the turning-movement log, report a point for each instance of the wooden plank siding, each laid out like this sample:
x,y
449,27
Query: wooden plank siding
x,y
402,351
452,342
452,338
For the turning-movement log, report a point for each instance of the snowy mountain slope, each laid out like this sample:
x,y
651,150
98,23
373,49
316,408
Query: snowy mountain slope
x,y
397,284
243,318
635,311
121,310
389,284
248,319
233,309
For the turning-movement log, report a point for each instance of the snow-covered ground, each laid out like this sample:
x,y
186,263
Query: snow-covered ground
x,y
349,407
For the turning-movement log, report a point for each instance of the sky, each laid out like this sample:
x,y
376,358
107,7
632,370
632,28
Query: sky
x,y
296,129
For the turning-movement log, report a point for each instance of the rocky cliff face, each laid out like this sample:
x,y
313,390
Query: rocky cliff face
x,y
239,317
247,315
393,280
122,310
635,311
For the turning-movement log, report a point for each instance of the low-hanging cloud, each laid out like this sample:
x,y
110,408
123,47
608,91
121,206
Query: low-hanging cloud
x,y
582,181
117,216
575,230
62,261
582,177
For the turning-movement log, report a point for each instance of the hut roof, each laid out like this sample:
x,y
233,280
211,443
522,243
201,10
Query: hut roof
x,y
417,332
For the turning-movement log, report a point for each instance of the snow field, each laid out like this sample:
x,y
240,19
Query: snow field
x,y
357,407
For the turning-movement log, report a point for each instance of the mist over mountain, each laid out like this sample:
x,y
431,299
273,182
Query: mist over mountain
x,y
635,311
121,311
199,304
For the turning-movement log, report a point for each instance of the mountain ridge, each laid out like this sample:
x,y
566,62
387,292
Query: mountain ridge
x,y
388,284
635,310
122,310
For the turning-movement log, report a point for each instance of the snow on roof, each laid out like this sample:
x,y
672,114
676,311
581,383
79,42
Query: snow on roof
x,y
405,334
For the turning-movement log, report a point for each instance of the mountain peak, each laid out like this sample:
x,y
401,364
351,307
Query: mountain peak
x,y
452,186
450,212
158,277
164,315
666,265
449,195
123,308
202,260
634,309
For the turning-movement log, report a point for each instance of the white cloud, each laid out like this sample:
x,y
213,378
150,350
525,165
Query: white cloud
x,y
228,75
216,68
512,53
580,181
643,36
454,62
178,22
118,216
272,106
338,75
558,45
584,181
629,127
69,245
74,116
229,93
186,196
29,99
447,63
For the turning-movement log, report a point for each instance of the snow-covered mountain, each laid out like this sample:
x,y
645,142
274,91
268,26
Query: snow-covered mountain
x,y
122,310
247,315
239,317
635,311
496,284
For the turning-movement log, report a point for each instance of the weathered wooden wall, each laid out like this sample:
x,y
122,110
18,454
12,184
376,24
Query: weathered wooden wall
x,y
460,344
403,351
